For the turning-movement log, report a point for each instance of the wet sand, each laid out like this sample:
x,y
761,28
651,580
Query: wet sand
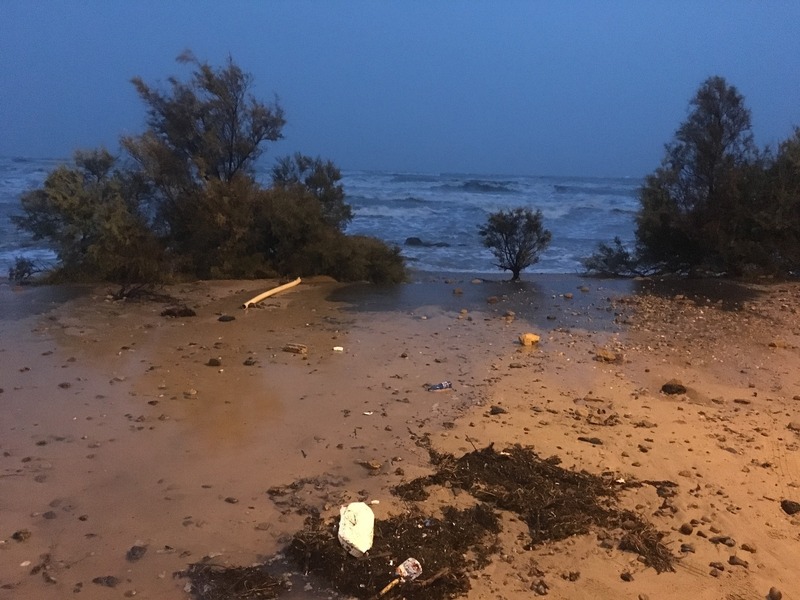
x,y
120,427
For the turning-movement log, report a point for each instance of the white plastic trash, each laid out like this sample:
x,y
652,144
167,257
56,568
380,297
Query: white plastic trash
x,y
356,528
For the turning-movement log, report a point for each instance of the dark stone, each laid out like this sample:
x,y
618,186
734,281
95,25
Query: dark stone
x,y
214,362
21,535
417,242
135,553
673,386
790,507
107,581
497,410
595,441
226,319
738,562
686,529
178,311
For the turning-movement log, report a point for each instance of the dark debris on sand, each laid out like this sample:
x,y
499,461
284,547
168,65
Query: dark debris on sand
x,y
554,502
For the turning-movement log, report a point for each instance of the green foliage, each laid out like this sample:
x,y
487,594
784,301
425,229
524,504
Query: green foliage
x,y
89,215
188,202
614,260
22,270
516,237
716,204
198,156
319,177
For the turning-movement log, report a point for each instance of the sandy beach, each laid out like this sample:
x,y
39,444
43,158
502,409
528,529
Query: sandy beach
x,y
123,429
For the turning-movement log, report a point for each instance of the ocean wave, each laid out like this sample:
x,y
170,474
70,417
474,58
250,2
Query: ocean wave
x,y
477,186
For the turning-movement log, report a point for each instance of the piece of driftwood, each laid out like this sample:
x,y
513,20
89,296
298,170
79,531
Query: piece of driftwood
x,y
272,292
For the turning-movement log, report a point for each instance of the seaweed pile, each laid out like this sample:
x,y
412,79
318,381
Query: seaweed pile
x,y
555,504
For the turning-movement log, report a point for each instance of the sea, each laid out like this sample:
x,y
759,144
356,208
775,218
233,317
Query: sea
x,y
433,217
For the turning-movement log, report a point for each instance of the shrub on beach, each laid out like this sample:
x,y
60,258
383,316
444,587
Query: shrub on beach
x,y
716,204
186,201
516,237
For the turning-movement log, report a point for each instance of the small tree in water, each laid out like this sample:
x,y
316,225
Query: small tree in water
x,y
516,237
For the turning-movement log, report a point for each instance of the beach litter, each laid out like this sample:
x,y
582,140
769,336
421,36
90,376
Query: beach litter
x,y
406,571
356,528
438,387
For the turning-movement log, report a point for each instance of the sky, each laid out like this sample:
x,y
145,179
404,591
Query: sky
x,y
562,88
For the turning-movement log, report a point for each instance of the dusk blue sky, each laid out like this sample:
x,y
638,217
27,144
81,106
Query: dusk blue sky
x,y
537,88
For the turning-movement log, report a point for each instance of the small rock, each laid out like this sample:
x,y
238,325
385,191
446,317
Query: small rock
x,y
673,386
214,362
748,548
774,594
529,339
790,507
687,548
296,348
231,500
107,581
738,562
626,576
497,410
723,539
21,535
135,553
595,441
226,318
178,311
794,426
718,566
686,529
606,355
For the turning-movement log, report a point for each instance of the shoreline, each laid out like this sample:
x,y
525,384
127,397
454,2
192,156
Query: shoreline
x,y
118,428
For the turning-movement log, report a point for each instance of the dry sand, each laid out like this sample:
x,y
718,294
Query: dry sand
x,y
116,432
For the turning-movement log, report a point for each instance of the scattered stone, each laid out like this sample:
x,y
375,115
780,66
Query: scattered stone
x,y
794,426
135,553
748,548
296,348
626,576
595,441
214,362
178,312
687,548
672,387
568,295
497,410
49,515
370,465
226,318
741,401
231,500
529,339
774,594
606,355
540,588
686,529
249,361
21,535
107,581
723,539
717,566
790,507
738,562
